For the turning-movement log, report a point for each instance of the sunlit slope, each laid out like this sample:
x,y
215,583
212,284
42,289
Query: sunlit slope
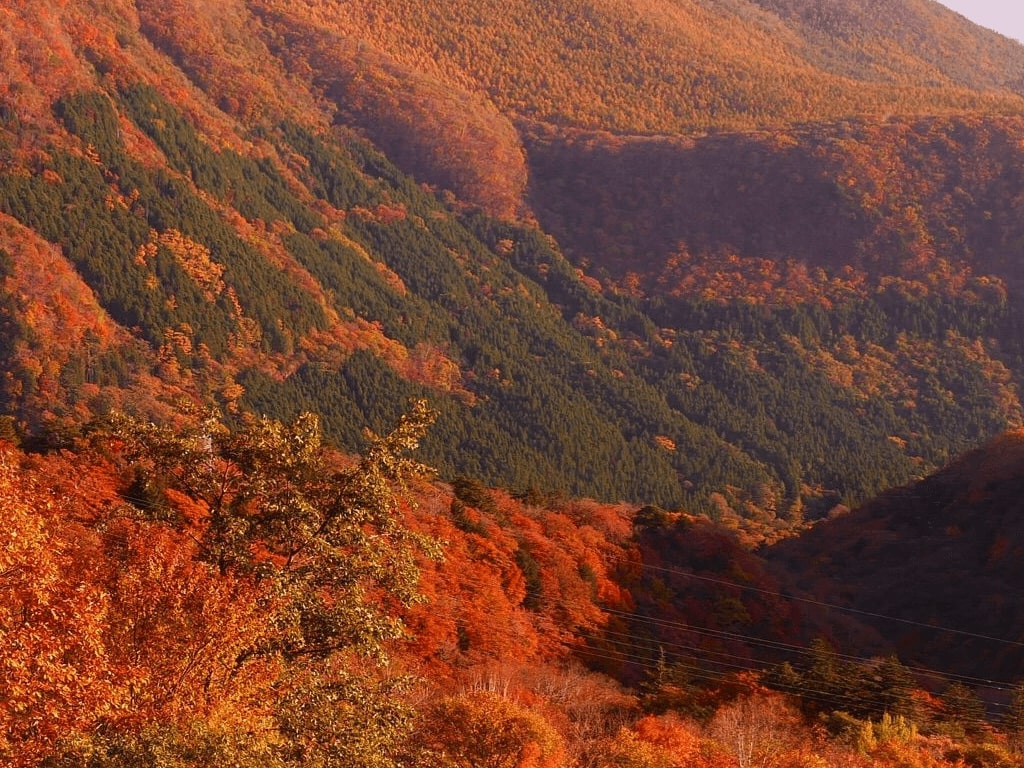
x,y
901,41
663,66
205,172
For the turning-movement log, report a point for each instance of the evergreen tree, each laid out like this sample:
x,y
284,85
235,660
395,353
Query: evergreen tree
x,y
963,711
1013,719
891,687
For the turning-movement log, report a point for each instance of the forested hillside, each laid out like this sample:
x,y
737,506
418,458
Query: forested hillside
x,y
211,595
667,67
712,343
485,384
895,557
381,293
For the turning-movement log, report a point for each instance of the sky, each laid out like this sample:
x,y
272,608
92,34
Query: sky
x,y
1005,16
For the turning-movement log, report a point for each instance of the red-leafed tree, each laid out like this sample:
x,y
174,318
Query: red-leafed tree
x,y
321,561
240,610
54,677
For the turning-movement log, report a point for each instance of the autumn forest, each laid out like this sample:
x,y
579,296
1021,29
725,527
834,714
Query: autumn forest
x,y
590,384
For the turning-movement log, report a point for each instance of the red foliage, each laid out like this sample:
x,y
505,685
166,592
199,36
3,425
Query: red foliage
x,y
54,676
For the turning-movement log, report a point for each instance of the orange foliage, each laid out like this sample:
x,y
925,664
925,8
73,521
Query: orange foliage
x,y
476,611
54,678
680,738
105,619
113,621
658,66
474,602
485,729
180,631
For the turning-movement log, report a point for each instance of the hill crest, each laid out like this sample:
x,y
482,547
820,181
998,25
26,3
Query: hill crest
x,y
942,556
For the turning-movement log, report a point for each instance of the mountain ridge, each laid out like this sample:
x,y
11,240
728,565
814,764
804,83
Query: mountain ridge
x,y
894,557
699,310
229,211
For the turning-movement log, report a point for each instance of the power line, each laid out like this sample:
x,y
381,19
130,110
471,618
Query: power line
x,y
834,606
798,649
750,640
768,643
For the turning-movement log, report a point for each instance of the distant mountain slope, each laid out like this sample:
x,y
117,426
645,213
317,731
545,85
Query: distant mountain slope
x,y
666,66
901,41
942,556
286,209
911,199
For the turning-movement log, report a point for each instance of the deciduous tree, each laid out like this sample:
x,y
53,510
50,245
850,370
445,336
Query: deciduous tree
x,y
324,547
758,730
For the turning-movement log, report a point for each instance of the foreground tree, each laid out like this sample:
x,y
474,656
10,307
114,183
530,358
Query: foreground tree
x,y
962,710
487,730
266,501
53,674
759,730
258,596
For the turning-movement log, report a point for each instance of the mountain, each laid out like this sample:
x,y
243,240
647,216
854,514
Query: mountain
x,y
679,66
750,260
929,202
932,567
662,290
